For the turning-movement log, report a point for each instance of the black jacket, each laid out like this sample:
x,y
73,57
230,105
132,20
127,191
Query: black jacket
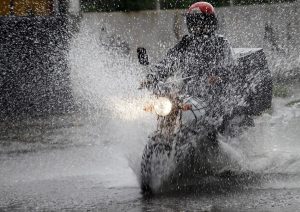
x,y
200,56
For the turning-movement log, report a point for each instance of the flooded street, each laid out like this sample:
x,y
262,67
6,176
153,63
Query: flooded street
x,y
72,163
90,160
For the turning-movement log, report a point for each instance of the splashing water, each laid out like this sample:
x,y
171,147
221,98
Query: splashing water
x,y
272,147
106,86
105,83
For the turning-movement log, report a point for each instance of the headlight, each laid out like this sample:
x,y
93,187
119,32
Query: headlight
x,y
163,106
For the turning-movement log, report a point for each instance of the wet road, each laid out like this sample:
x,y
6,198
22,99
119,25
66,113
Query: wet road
x,y
73,163
88,193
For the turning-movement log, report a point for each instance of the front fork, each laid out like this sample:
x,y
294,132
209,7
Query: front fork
x,y
168,126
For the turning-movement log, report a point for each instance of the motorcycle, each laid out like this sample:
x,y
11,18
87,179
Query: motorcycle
x,y
185,146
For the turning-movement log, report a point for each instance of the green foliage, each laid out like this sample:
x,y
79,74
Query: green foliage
x,y
116,5
135,5
130,5
247,2
183,4
98,5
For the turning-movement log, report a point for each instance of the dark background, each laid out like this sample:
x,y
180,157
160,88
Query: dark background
x,y
136,5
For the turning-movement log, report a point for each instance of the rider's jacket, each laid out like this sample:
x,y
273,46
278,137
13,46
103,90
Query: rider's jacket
x,y
200,56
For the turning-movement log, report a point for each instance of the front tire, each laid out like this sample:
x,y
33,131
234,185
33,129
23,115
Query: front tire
x,y
150,165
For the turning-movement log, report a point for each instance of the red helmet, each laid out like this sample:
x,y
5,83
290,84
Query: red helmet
x,y
201,18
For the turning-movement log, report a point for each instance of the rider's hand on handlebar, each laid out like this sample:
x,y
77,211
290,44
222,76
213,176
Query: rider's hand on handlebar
x,y
144,84
212,80
150,79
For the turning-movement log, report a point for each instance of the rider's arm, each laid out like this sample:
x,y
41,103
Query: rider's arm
x,y
166,67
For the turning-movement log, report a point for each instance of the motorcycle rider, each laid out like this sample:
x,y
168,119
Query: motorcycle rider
x,y
202,53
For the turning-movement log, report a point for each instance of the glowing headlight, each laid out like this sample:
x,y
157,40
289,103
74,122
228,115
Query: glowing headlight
x,y
163,106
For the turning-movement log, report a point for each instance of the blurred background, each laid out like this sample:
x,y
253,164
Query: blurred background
x,y
135,5
158,25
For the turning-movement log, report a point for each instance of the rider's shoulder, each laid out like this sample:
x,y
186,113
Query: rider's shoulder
x,y
185,40
181,45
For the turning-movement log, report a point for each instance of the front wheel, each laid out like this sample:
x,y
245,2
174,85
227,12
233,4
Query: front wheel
x,y
154,165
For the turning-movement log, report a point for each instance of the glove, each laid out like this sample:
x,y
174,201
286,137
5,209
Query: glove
x,y
212,80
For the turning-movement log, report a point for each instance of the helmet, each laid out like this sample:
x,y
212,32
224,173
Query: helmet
x,y
201,18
